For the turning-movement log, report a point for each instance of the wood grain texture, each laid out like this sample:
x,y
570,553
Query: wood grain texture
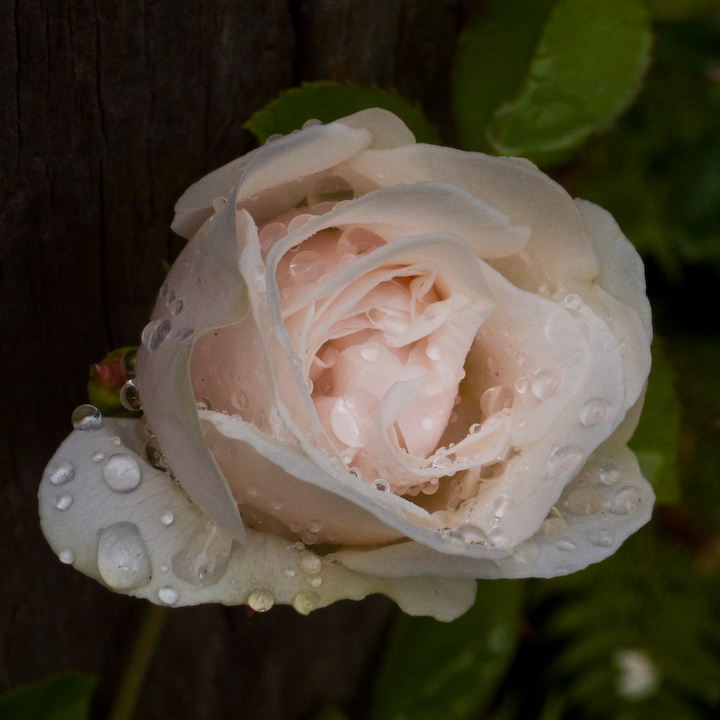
x,y
110,109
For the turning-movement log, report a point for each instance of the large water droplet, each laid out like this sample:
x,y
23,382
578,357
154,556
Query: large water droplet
x,y
306,267
60,472
261,600
563,462
205,558
167,517
67,557
176,306
129,396
495,399
86,417
609,474
168,595
311,564
584,501
473,535
123,559
63,502
502,505
626,501
545,384
121,473
154,333
594,412
305,602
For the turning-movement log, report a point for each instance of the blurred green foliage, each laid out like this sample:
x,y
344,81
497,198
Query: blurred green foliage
x,y
63,697
536,78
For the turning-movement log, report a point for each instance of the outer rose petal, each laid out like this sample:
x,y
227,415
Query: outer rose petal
x,y
151,542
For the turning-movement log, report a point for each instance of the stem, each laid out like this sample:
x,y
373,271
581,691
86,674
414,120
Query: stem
x,y
132,681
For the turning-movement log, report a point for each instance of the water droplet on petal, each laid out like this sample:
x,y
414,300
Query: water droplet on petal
x,y
572,302
565,544
127,362
316,581
98,456
626,501
121,473
495,399
473,535
129,396
545,384
563,462
609,474
381,485
167,517
370,352
594,412
311,564
154,333
67,557
305,602
168,595
522,385
306,267
584,501
475,428
603,539
63,502
176,306
442,463
86,417
261,600
123,559
502,505
434,351
115,440
60,473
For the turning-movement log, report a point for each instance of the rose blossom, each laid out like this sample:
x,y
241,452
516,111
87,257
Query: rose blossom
x,y
377,366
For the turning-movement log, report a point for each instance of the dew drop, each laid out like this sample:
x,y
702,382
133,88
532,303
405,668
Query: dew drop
x,y
572,302
565,544
427,424
306,267
381,485
370,352
60,473
522,385
289,572
626,501
167,517
501,505
609,474
584,501
176,306
86,417
276,504
309,538
603,539
168,595
98,456
442,463
594,412
154,333
545,384
305,602
495,399
311,564
473,535
315,526
121,473
67,557
315,581
184,333
434,351
63,502
261,600
475,428
115,440
129,396
122,557
253,491
563,462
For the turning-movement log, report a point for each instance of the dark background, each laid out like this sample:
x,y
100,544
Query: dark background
x,y
109,110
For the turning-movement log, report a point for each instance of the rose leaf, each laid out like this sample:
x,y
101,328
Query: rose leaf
x,y
327,101
536,79
432,670
61,697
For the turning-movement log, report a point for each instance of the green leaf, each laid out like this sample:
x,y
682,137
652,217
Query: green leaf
x,y
667,10
655,441
327,101
63,697
536,79
635,636
451,671
658,173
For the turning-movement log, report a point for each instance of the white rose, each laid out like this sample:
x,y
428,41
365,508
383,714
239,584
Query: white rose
x,y
377,366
